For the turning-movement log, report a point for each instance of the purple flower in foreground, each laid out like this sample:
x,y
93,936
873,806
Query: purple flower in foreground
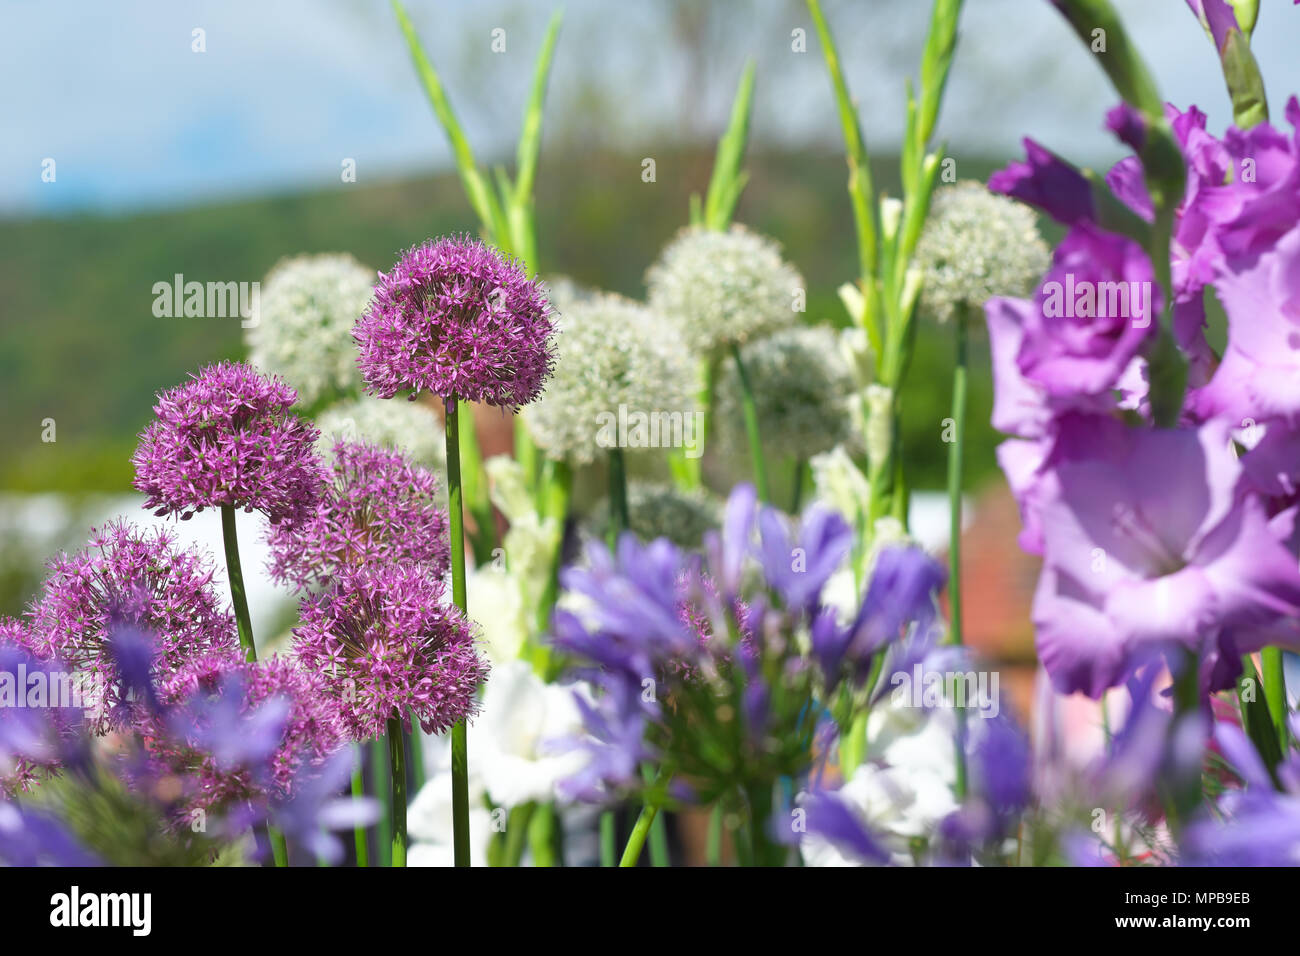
x,y
314,808
246,727
39,726
135,579
1095,310
1048,182
1148,545
31,837
228,437
457,318
379,510
389,646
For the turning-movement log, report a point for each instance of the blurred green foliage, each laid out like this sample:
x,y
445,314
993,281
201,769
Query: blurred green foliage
x,y
79,342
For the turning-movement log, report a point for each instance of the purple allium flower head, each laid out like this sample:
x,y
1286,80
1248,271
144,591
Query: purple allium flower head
x,y
1048,182
380,509
228,436
457,318
1096,308
132,578
1149,544
389,645
245,727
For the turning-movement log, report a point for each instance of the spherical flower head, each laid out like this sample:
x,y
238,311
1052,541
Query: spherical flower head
x,y
128,576
228,436
613,354
658,510
304,333
802,389
411,428
457,318
378,510
312,725
977,245
724,288
389,646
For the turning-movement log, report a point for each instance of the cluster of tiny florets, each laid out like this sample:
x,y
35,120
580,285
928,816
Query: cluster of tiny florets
x,y
304,333
613,353
724,288
388,645
802,388
229,436
657,510
378,509
312,731
412,428
456,318
128,577
977,245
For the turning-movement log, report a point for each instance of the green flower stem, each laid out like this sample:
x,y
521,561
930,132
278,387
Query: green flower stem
x,y
713,853
608,837
761,850
644,823
417,754
279,848
658,829
244,624
1275,692
397,772
750,410
377,758
359,832
459,739
619,521
955,452
544,837
237,595
796,496
517,833
554,497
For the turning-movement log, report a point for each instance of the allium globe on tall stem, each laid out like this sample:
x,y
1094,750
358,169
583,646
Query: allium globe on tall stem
x,y
723,289
128,576
379,509
390,648
457,318
228,439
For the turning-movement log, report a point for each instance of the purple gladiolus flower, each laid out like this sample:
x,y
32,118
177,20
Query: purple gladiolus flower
x,y
379,510
228,437
35,838
1147,544
1128,125
388,645
457,318
1048,182
1217,17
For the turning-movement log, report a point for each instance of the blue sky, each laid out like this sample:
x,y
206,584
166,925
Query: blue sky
x,y
287,90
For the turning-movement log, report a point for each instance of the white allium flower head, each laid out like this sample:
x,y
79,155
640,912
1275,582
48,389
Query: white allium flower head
x,y
802,390
611,352
409,427
308,307
724,288
977,245
660,510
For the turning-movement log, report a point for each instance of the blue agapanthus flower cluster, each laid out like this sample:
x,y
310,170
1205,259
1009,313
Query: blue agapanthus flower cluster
x,y
723,669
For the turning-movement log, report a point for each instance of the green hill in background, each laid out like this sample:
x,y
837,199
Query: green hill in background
x,y
79,342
